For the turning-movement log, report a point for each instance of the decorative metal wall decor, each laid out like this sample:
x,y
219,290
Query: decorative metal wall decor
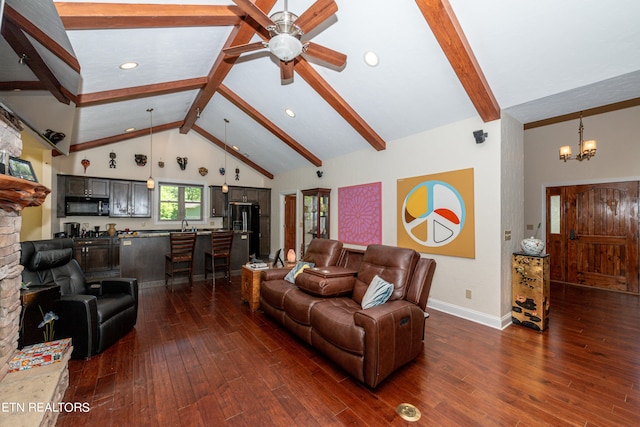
x,y
237,174
141,159
203,171
112,161
85,164
182,162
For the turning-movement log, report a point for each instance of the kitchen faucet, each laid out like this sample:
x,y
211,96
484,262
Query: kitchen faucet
x,y
184,224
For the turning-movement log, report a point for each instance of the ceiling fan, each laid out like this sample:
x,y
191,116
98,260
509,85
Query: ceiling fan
x,y
285,33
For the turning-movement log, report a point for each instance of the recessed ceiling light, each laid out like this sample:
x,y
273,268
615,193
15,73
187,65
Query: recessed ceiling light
x,y
128,65
371,58
235,147
129,129
290,112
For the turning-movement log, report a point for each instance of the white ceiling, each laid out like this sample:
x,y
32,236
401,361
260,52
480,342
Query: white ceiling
x,y
541,59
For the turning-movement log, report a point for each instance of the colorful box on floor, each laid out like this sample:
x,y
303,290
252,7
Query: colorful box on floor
x,y
39,354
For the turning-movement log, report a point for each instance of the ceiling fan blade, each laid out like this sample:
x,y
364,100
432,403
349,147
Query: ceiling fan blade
x,y
316,14
253,11
243,48
286,70
325,54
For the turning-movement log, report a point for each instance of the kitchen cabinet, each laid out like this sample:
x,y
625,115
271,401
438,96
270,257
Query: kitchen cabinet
x,y
315,215
264,200
97,256
218,201
130,199
89,187
243,194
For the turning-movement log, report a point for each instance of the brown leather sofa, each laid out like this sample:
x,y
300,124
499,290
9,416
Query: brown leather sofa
x,y
323,308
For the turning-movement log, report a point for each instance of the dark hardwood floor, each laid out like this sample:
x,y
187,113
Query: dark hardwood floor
x,y
198,357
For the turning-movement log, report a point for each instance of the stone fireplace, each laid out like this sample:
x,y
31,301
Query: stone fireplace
x,y
47,384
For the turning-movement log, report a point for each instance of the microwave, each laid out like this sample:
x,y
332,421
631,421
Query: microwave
x,y
85,206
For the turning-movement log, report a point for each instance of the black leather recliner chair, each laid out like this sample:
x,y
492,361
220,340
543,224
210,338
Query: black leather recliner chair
x,y
95,315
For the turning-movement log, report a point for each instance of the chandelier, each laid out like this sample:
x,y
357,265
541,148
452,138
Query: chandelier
x,y
586,149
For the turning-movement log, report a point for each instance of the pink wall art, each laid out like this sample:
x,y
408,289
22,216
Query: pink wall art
x,y
360,214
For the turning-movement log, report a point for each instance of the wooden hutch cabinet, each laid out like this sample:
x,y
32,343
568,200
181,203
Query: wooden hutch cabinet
x,y
315,215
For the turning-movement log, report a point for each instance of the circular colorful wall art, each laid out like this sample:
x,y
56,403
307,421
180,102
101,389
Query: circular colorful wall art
x,y
433,213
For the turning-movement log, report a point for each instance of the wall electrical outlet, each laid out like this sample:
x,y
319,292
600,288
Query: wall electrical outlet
x,y
507,235
467,293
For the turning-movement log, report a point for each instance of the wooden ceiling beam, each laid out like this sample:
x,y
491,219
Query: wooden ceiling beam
x,y
24,49
239,35
585,113
313,78
231,151
118,138
11,15
447,30
91,16
125,94
268,125
22,85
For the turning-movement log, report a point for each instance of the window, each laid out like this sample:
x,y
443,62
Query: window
x,y
181,201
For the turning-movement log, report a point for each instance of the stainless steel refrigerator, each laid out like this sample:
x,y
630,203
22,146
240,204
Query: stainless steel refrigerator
x,y
245,218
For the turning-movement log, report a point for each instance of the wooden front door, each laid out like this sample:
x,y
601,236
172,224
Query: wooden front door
x,y
289,224
597,242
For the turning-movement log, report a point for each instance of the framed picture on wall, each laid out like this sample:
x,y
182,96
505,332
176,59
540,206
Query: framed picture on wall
x,y
21,169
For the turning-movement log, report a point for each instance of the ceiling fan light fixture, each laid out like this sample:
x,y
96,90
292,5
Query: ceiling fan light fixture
x,y
285,47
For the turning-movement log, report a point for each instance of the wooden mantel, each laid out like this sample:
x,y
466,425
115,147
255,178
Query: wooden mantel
x,y
17,194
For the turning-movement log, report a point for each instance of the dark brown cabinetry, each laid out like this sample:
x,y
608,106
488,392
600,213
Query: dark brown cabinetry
x,y
130,199
89,187
98,256
264,200
218,201
243,194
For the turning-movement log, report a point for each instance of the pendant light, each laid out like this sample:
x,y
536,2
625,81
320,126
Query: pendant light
x,y
586,149
225,187
151,184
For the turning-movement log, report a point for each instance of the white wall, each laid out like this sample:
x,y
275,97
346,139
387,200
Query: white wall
x,y
444,149
617,157
166,147
511,204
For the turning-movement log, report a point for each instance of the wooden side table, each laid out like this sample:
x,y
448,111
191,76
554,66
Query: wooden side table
x,y
250,286
32,300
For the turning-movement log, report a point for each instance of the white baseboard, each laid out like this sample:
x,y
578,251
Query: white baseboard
x,y
472,315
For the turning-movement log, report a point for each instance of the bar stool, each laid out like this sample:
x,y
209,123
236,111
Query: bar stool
x,y
180,260
220,250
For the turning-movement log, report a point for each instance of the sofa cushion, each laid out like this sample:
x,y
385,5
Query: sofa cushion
x,y
378,292
298,304
333,319
393,264
44,260
273,292
111,304
300,266
323,252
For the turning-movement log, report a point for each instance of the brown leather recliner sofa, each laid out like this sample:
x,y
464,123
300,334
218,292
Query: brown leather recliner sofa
x,y
324,309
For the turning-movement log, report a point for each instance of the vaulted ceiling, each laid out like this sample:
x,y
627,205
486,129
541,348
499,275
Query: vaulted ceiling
x,y
439,62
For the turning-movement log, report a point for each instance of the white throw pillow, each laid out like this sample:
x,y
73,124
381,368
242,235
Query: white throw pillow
x,y
378,292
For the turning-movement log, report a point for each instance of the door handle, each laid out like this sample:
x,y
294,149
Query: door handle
x,y
572,234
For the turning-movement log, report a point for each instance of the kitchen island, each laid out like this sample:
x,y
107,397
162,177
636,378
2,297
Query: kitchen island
x,y
142,255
